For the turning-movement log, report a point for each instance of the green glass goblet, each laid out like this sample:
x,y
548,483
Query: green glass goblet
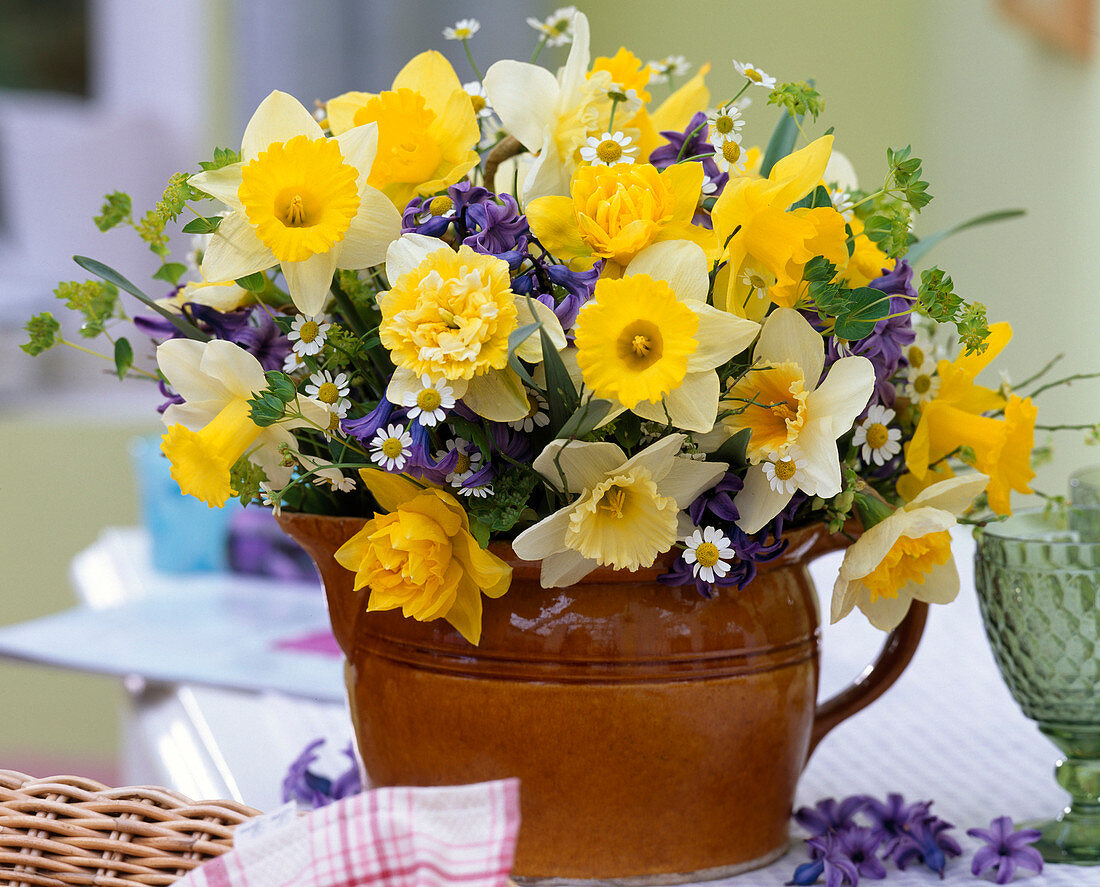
x,y
1038,582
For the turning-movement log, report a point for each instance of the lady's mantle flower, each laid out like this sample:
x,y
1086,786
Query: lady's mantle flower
x,y
556,28
308,334
212,428
609,149
332,392
448,315
709,553
390,447
754,75
650,342
420,556
906,556
627,511
879,442
1007,849
429,405
782,404
462,30
298,200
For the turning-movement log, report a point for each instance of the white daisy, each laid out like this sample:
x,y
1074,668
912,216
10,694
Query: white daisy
x,y
628,102
308,334
469,459
710,186
480,492
608,149
271,499
725,124
879,442
753,74
729,155
462,30
293,363
922,353
537,416
843,203
670,65
922,383
429,405
390,447
476,92
709,552
345,484
556,28
784,471
332,392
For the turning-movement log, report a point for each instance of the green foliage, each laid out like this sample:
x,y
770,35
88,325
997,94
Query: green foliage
x,y
346,347
245,479
254,283
561,395
151,230
175,196
94,300
888,228
116,209
799,98
938,300
202,225
856,311
511,490
124,357
43,330
585,418
269,406
904,177
222,157
780,144
170,272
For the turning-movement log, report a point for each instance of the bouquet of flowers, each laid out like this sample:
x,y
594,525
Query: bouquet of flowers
x,y
551,310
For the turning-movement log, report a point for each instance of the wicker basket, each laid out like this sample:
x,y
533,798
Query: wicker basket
x,y
65,831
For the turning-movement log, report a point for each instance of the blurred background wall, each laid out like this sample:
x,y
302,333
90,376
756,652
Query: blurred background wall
x,y
1001,119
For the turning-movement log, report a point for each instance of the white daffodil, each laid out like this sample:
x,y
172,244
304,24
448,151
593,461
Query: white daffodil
x,y
650,342
906,556
627,511
879,442
551,116
298,200
212,429
780,402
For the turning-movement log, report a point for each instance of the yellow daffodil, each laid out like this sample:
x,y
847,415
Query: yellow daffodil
x,y
627,72
212,429
867,261
627,511
794,421
427,128
420,556
614,212
448,315
770,237
297,200
651,343
551,116
906,556
952,419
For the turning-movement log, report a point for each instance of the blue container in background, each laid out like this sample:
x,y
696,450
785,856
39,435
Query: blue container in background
x,y
187,535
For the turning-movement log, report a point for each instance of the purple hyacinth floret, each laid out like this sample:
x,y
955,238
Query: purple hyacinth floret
x,y
829,815
497,228
696,145
545,282
893,816
262,338
1006,849
926,840
311,790
839,856
366,427
252,328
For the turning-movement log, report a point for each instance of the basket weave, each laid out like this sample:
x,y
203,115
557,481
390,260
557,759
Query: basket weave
x,y
65,831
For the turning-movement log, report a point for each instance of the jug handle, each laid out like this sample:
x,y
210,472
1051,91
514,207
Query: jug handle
x,y
896,653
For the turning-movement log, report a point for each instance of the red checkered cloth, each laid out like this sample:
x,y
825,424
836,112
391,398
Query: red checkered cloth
x,y
388,837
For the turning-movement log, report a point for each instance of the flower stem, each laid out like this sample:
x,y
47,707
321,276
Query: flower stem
x,y
470,58
1066,381
1043,371
538,48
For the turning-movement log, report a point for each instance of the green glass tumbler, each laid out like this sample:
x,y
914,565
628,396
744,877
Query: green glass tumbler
x,y
1038,582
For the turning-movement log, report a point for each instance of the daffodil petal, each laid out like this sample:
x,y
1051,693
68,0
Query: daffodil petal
x,y
194,414
680,263
309,281
279,118
800,171
820,461
522,95
721,335
693,406
584,463
430,74
656,458
544,539
465,612
940,586
407,252
787,336
268,456
498,396
676,111
758,503
529,310
374,227
221,184
688,478
359,146
238,370
843,394
554,223
234,251
575,71
840,173
179,361
390,490
885,613
956,494
340,110
548,174
564,569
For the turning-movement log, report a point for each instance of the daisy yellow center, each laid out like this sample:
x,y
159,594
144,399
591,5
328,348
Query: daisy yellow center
x,y
328,393
392,447
756,281
915,355
620,209
407,148
300,197
201,460
429,400
478,102
634,340
785,469
724,124
609,151
877,435
908,561
922,384
772,404
754,75
731,151
707,554
309,331
462,463
450,316
441,205
623,521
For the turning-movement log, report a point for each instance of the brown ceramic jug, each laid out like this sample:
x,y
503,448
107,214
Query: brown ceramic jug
x,y
658,736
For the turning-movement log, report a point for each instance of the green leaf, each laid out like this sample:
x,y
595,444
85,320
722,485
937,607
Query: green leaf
x,y
112,276
781,142
561,395
116,209
866,307
171,272
918,250
480,532
585,419
254,283
201,225
222,157
518,337
43,329
735,450
124,357
281,385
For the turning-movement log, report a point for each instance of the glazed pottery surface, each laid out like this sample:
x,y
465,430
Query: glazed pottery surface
x,y
658,736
